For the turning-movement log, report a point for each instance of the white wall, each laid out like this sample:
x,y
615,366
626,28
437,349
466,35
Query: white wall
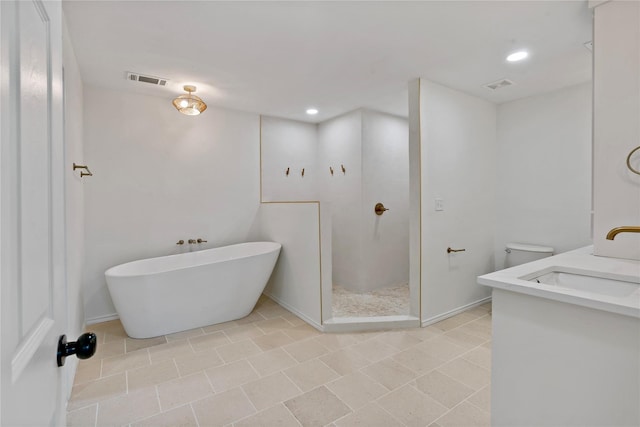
x,y
340,143
616,127
297,278
385,179
293,145
544,171
159,177
74,194
457,135
369,251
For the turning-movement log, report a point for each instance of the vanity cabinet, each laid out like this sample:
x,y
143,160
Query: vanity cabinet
x,y
566,342
560,364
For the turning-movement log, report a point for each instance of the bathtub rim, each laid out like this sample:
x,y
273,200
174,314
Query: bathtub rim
x,y
113,271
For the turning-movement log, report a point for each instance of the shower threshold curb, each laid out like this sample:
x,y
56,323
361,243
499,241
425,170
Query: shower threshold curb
x,y
375,323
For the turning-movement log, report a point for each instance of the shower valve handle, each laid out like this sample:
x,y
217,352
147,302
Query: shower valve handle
x,y
201,241
379,209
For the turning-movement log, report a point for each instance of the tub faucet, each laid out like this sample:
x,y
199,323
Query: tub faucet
x,y
624,229
192,241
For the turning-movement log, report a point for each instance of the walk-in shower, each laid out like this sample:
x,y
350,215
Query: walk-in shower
x,y
369,202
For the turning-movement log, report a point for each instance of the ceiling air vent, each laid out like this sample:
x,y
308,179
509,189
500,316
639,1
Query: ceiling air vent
x,y
499,84
136,77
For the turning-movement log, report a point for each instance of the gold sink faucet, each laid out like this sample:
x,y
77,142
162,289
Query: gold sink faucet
x,y
624,229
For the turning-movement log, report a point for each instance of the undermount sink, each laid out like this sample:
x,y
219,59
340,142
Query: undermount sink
x,y
576,277
583,281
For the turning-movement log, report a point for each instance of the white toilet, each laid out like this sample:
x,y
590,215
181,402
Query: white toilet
x,y
520,253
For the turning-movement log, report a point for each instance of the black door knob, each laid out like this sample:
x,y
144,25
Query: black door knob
x,y
84,348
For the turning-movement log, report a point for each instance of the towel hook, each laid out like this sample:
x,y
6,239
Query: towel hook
x,y
87,173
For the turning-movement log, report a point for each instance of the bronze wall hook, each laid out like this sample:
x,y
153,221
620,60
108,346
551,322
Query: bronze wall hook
x,y
85,167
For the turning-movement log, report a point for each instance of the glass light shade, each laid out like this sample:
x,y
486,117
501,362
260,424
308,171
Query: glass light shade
x,y
517,56
189,104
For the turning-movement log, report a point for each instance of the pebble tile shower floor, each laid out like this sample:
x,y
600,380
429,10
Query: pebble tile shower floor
x,y
271,369
388,301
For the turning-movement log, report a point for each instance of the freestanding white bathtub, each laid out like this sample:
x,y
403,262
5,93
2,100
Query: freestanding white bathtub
x,y
174,293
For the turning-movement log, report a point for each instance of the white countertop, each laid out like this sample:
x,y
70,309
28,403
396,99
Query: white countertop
x,y
580,261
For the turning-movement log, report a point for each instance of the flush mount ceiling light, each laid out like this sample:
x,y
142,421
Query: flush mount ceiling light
x,y
517,56
312,111
189,104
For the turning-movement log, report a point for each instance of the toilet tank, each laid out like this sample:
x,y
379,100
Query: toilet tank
x,y
521,253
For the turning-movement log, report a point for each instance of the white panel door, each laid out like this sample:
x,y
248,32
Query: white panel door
x,y
32,275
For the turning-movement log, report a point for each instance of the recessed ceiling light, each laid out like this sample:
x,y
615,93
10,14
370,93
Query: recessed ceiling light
x,y
517,56
312,111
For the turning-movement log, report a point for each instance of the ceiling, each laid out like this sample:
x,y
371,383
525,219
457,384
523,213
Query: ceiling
x,y
279,58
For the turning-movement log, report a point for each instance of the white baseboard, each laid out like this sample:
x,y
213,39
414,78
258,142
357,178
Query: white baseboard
x,y
453,312
100,319
296,312
347,324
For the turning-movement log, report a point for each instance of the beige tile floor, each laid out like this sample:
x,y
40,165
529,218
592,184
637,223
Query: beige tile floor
x,y
271,369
